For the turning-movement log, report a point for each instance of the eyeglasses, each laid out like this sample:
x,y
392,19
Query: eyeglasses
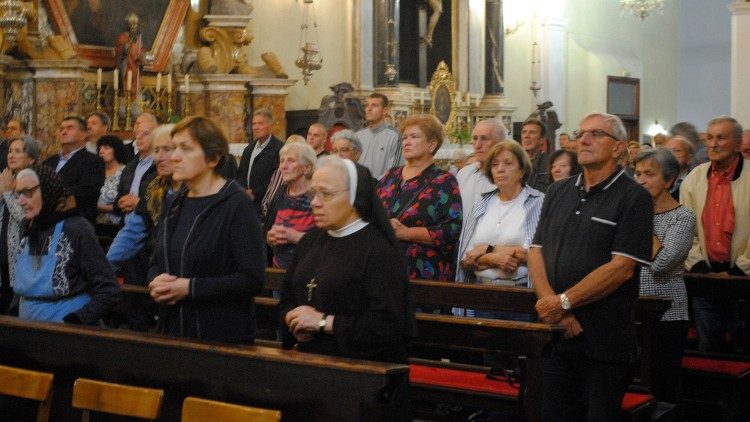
x,y
341,150
326,195
595,133
26,193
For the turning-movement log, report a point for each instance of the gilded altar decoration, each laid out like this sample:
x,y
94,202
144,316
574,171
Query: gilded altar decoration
x,y
443,95
14,16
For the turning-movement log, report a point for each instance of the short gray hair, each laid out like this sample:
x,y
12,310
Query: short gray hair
x,y
498,128
304,153
349,136
736,126
614,123
664,158
685,142
266,113
30,146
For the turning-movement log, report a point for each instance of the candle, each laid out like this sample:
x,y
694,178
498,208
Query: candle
x,y
421,98
116,79
99,78
169,83
476,103
468,99
187,84
458,98
535,63
158,82
129,80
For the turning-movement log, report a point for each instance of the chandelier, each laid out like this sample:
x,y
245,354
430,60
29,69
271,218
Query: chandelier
x,y
308,60
641,8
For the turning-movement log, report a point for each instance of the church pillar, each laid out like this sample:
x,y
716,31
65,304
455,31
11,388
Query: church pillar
x,y
227,101
270,93
554,67
58,93
494,46
740,77
363,68
386,36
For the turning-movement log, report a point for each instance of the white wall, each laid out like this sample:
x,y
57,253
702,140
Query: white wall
x,y
276,27
704,61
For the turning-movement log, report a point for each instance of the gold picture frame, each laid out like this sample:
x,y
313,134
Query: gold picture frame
x,y
443,94
169,15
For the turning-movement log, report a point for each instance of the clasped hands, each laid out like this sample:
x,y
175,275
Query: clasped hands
x,y
303,322
505,258
6,180
550,312
168,289
280,235
128,203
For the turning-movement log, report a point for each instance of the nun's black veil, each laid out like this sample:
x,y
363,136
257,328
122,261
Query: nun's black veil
x,y
370,208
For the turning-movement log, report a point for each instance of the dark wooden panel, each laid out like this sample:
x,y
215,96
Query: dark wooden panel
x,y
298,384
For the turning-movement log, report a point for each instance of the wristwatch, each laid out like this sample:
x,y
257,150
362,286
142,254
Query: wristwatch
x,y
322,324
564,302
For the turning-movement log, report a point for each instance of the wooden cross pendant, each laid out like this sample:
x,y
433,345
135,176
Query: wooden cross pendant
x,y
310,287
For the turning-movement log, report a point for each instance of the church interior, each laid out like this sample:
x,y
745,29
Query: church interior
x,y
652,63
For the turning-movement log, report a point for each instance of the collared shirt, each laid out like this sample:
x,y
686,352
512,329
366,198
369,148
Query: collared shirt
x,y
64,159
259,146
140,170
578,232
718,213
472,184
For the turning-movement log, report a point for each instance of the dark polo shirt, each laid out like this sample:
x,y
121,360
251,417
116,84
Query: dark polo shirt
x,y
578,232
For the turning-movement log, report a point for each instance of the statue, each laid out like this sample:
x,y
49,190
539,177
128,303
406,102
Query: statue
x,y
437,10
130,54
340,108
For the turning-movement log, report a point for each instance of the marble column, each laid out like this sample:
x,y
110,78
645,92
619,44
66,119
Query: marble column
x,y
58,94
554,67
270,93
740,62
386,30
494,77
227,97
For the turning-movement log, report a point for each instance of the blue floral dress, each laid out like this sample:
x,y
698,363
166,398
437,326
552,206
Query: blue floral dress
x,y
429,200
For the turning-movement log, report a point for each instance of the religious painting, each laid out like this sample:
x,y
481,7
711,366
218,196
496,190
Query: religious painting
x,y
93,26
443,94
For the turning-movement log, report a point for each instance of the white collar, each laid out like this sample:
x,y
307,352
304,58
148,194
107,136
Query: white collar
x,y
351,228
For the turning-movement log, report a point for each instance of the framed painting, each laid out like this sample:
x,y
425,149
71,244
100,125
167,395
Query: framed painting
x,y
92,27
443,96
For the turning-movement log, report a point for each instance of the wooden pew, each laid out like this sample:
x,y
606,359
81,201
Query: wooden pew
x,y
716,380
303,386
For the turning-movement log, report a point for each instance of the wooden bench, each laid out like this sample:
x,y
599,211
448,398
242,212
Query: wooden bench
x,y
716,382
298,384
117,399
638,402
26,384
195,409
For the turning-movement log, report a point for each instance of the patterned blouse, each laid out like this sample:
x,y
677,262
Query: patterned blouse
x,y
675,230
107,197
430,200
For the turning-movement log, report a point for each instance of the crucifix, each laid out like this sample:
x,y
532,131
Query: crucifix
x,y
310,287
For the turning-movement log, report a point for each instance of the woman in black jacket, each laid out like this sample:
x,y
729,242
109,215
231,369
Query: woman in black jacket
x,y
209,259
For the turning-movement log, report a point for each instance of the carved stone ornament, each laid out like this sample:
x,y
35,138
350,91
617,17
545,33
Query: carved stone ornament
x,y
443,95
231,7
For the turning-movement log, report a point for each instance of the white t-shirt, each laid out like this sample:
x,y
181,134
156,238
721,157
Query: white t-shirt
x,y
503,224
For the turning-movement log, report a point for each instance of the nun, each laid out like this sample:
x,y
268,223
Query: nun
x,y
346,292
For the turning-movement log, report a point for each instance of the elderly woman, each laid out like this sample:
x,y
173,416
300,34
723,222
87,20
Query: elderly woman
x,y
275,182
139,225
61,272
22,152
674,227
563,164
683,150
496,236
423,202
345,144
209,260
112,151
290,213
346,293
